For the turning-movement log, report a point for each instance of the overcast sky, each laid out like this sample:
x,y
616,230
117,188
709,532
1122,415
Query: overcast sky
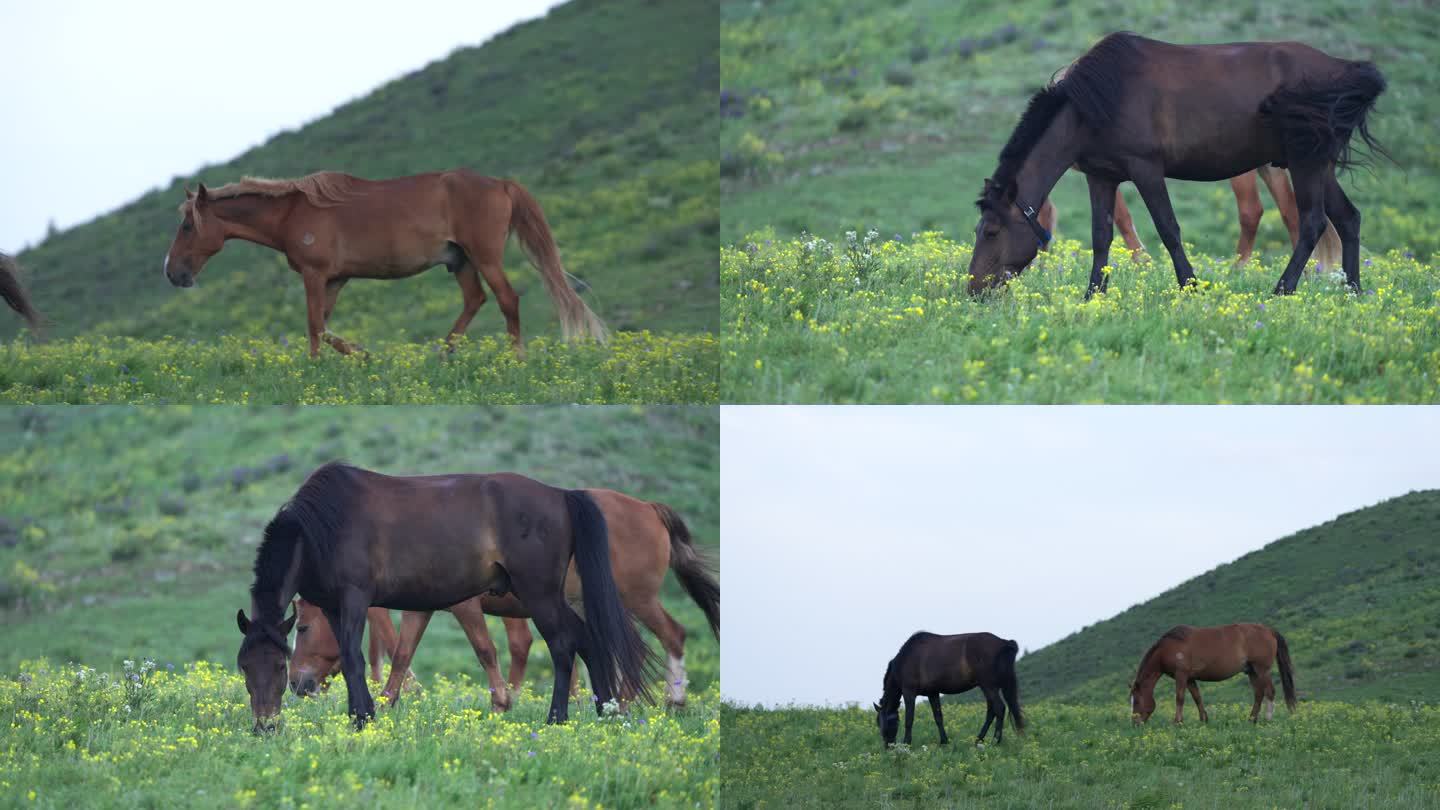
x,y
846,529
102,102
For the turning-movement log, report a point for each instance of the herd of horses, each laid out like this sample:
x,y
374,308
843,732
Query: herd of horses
x,y
932,665
353,544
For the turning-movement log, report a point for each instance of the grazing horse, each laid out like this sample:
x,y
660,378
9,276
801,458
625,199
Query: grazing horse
x,y
1190,654
1141,110
645,539
14,294
333,228
1247,201
932,666
352,538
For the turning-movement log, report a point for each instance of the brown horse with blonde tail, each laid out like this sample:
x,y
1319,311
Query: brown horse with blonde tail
x,y
1191,654
646,539
333,227
14,293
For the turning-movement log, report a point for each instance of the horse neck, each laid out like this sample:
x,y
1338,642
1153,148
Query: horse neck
x,y
275,589
255,218
1051,156
890,698
1150,671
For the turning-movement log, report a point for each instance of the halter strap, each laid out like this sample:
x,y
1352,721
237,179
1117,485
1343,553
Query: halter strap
x,y
1029,214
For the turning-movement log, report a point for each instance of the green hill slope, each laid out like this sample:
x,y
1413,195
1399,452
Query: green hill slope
x,y
605,110
849,114
130,532
1356,598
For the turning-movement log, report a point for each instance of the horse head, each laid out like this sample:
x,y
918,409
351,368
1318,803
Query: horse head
x,y
262,658
200,236
1007,237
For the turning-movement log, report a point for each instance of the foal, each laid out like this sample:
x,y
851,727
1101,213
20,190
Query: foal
x,y
932,665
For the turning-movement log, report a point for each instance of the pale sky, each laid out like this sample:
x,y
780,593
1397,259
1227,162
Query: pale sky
x,y
102,102
846,529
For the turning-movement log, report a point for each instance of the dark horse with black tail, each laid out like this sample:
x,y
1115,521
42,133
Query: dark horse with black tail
x,y
351,538
14,294
1141,110
932,666
1191,654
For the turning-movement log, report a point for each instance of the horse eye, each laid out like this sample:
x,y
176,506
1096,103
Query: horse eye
x,y
186,227
302,628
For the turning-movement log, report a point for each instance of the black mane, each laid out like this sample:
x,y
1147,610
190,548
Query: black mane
x,y
890,676
1095,85
313,520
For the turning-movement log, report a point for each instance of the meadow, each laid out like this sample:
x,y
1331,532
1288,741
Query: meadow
x,y
634,367
127,534
1325,755
876,318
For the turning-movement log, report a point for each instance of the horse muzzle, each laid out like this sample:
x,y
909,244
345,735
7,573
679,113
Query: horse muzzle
x,y
185,279
305,686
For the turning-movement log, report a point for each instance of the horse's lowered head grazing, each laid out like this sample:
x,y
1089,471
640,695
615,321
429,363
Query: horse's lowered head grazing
x,y
1142,703
263,656
1006,239
199,237
889,722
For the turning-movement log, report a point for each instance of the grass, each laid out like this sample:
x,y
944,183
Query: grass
x,y
604,110
128,533
1325,755
635,367
876,320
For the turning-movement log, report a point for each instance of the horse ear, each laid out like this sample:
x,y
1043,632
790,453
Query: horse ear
x,y
877,706
242,622
289,623
203,195
189,195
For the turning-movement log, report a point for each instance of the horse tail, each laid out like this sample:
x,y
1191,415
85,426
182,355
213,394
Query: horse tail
x,y
619,660
527,221
14,294
1009,684
1287,669
1317,117
691,566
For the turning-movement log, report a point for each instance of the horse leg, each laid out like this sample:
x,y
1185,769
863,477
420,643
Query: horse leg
x,y
1310,196
474,298
506,298
1180,682
378,652
989,718
1150,182
472,621
314,309
1126,224
1269,698
381,623
412,628
1345,218
518,638
1199,705
1102,229
997,708
1048,217
1278,182
564,633
934,698
349,624
672,637
332,294
909,714
1258,688
1247,200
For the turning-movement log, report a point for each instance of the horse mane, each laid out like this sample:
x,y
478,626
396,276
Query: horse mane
x,y
1094,84
321,189
314,517
905,649
1179,632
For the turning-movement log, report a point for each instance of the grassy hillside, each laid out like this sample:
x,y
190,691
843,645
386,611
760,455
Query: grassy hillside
x,y
851,114
128,533
1356,598
605,110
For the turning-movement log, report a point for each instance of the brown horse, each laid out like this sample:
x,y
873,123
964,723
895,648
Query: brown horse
x,y
1247,201
1191,654
932,666
645,539
14,293
1139,110
351,538
333,228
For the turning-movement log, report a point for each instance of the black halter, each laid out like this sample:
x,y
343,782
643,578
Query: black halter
x,y
1029,214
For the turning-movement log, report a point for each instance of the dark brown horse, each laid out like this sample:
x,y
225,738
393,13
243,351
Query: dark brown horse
x,y
333,228
1141,110
14,293
351,538
1191,654
646,539
932,666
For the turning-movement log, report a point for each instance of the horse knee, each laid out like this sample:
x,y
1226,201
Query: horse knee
x,y
1250,216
